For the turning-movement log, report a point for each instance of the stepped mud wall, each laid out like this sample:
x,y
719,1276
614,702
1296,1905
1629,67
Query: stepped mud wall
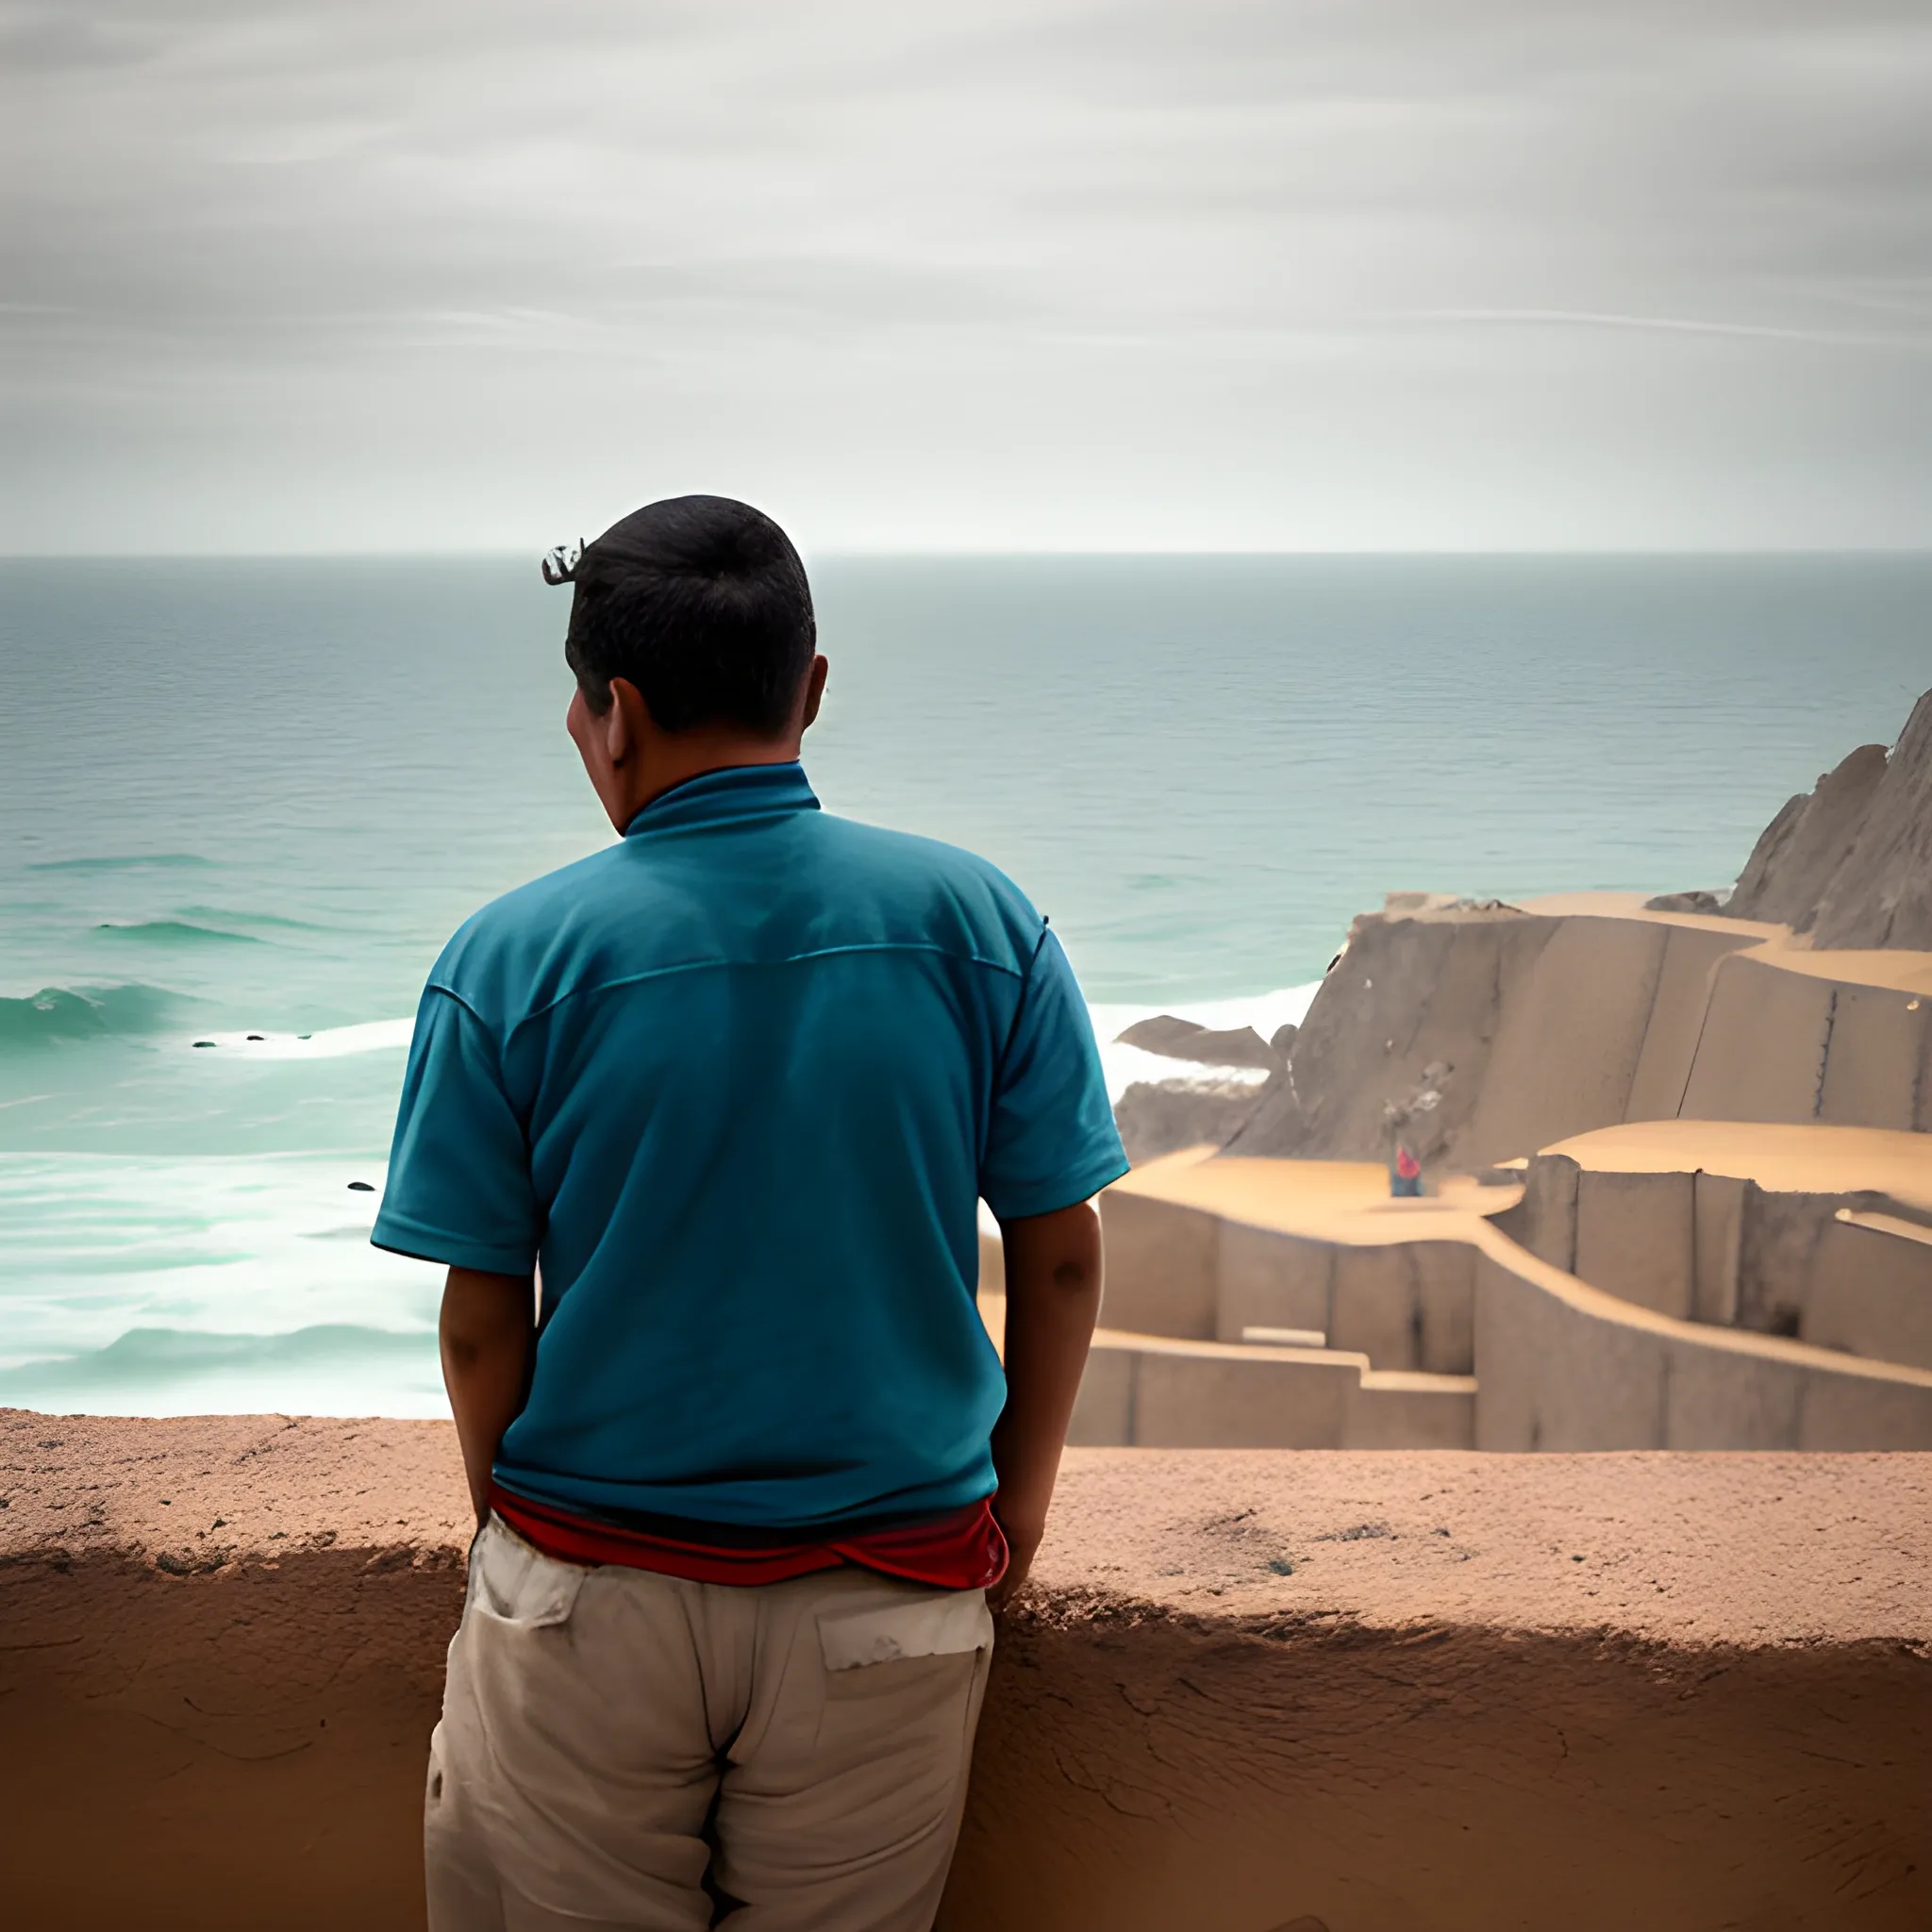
x,y
1605,1310
1562,1364
1848,1270
1492,1034
1148,1391
1175,1270
1389,1693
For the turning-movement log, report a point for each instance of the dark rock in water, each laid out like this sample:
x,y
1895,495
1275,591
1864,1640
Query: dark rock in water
x,y
362,1187
203,1043
1184,1039
1157,1117
1684,902
258,1036
1797,855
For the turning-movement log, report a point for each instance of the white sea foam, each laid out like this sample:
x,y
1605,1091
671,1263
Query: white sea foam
x,y
1266,1012
148,1285
332,1042
211,1283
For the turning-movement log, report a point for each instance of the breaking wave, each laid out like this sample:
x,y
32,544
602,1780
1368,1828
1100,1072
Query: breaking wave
x,y
141,1354
167,862
339,1369
178,932
56,1014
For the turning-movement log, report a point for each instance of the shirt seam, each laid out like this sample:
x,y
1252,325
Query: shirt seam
x,y
725,965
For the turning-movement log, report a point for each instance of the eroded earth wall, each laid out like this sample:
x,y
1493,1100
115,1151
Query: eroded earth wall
x,y
1389,1692
1491,1034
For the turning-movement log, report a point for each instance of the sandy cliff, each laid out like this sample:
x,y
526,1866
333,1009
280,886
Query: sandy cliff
x,y
1395,1694
1487,1035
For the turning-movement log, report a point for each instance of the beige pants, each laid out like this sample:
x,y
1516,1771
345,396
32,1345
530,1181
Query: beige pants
x,y
610,1733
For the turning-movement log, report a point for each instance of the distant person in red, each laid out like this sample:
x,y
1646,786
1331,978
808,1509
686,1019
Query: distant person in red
x,y
1406,1179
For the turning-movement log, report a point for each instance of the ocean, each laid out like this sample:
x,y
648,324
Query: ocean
x,y
245,802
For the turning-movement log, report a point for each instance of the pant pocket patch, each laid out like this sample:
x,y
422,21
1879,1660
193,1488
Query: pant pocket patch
x,y
516,1584
927,1626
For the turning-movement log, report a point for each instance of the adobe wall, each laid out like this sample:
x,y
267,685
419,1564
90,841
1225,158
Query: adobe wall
x,y
1785,1040
1184,1271
1153,1391
1835,1269
1529,1026
1396,1693
1544,1360
1565,1366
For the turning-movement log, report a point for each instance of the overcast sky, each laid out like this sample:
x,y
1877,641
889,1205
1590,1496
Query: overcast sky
x,y
1020,274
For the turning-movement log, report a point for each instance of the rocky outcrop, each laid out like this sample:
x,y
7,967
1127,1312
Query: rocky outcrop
x,y
1157,1117
1207,1046
1881,895
1706,903
1412,993
1851,862
1799,852
1482,1035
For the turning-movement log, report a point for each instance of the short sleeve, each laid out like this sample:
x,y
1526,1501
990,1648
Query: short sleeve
x,y
459,1189
1051,1141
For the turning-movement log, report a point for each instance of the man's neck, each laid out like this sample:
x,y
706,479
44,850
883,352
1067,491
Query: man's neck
x,y
670,759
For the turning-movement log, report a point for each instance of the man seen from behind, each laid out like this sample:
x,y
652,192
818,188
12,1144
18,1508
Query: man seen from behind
x,y
747,1469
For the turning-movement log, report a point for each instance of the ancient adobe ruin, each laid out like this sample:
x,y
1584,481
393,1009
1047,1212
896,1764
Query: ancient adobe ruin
x,y
1681,1178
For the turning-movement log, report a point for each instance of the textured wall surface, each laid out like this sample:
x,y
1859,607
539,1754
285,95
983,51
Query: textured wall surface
x,y
1400,1693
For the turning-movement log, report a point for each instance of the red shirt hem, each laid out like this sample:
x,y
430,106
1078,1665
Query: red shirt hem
x,y
962,1550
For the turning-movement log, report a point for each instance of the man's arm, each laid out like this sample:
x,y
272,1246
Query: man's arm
x,y
486,1329
1052,1300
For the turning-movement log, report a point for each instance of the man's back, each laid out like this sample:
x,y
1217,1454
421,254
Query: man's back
x,y
748,1492
740,1079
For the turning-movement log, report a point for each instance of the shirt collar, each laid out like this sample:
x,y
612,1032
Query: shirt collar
x,y
728,797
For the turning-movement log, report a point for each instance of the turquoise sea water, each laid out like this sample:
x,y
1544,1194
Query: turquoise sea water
x,y
253,798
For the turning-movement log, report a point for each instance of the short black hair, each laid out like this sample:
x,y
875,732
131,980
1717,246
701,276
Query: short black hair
x,y
701,602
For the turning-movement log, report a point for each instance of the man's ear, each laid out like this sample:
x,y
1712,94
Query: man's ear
x,y
814,691
620,723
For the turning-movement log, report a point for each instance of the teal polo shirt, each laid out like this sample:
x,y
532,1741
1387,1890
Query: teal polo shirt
x,y
735,1083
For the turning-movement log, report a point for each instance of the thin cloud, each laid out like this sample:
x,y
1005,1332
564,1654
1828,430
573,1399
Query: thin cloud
x,y
1675,324
1039,271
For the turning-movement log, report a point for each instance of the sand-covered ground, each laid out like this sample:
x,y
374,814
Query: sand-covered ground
x,y
1781,1157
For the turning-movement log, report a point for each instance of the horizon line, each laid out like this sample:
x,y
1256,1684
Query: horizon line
x,y
843,553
